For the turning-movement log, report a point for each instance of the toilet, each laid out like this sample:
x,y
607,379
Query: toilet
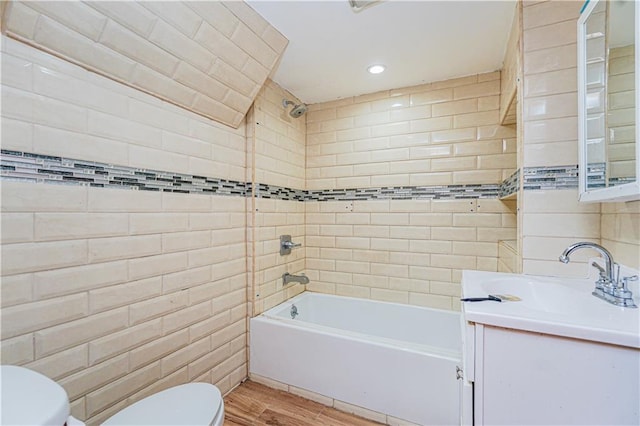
x,y
23,390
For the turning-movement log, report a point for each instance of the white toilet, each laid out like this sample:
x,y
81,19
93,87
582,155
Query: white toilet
x,y
29,398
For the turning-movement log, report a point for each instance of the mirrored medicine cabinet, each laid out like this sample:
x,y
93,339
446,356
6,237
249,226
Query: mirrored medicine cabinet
x,y
609,101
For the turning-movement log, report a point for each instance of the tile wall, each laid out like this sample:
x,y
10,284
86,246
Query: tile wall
x,y
408,250
118,293
276,148
208,57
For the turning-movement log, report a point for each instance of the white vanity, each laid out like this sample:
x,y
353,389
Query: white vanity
x,y
557,356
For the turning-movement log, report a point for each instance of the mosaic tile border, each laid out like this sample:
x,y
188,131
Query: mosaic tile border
x,y
37,168
558,177
510,185
28,167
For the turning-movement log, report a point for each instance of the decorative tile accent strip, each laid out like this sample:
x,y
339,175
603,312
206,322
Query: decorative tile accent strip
x,y
29,167
510,185
446,192
559,177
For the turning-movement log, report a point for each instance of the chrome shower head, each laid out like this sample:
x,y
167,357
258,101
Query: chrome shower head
x,y
297,111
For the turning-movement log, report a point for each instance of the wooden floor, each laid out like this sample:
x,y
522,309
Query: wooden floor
x,y
254,404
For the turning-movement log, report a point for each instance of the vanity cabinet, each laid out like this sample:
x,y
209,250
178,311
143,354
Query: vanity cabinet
x,y
522,377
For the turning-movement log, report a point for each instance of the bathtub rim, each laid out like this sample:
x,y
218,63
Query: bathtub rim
x,y
401,345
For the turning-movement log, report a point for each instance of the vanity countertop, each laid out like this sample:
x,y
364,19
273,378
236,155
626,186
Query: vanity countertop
x,y
556,306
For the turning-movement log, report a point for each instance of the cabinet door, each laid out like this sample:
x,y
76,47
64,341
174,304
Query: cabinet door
x,y
530,378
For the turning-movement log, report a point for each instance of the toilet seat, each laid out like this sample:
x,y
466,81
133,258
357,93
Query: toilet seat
x,y
189,404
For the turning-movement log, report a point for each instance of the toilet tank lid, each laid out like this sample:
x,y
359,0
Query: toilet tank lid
x,y
189,404
30,398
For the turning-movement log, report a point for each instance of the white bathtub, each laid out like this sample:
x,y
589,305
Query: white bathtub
x,y
395,359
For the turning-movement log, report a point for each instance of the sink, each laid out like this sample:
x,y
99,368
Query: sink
x,y
557,306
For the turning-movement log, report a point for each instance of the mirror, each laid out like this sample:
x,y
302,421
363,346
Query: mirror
x,y
608,101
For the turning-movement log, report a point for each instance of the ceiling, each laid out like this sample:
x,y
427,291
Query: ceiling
x,y
330,46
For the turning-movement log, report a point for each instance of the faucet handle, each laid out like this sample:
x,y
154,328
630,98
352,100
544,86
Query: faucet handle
x,y
625,280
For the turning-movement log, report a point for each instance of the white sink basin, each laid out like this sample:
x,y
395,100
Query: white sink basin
x,y
558,306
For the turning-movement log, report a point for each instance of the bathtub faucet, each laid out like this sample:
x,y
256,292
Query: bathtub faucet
x,y
287,278
609,286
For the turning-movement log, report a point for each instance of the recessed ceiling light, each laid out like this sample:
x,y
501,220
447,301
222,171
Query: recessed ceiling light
x,y
376,69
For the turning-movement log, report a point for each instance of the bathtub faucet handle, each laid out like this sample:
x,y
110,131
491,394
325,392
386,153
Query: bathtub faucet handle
x,y
286,244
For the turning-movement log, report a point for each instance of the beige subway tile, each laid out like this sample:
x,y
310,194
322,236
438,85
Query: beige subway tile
x,y
157,265
496,132
335,277
67,226
479,147
561,225
429,273
158,306
370,231
63,363
209,291
389,270
413,113
54,339
453,261
24,20
17,135
430,219
17,228
559,201
477,176
131,15
16,289
185,279
389,218
121,40
122,341
394,296
549,36
17,351
545,13
453,234
118,200
550,154
477,219
551,83
497,161
83,382
31,257
552,106
30,197
408,233
186,317
352,219
475,248
431,124
427,179
430,300
124,294
449,206
157,349
351,267
61,281
121,388
496,234
184,356
104,249
475,119
152,223
208,326
452,164
552,59
487,103
432,96
455,107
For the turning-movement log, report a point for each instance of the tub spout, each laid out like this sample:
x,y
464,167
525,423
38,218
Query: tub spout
x,y
287,278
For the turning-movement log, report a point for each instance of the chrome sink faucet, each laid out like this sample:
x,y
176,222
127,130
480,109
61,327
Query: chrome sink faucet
x,y
609,286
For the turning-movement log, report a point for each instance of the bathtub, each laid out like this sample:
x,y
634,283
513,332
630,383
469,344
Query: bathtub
x,y
394,359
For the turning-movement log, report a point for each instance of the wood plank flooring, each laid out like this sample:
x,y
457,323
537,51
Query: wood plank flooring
x,y
254,404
